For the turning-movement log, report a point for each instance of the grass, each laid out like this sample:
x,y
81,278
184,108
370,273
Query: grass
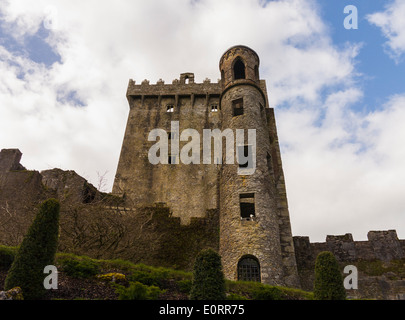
x,y
150,280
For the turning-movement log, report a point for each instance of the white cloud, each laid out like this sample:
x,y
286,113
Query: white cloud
x,y
102,44
392,23
346,174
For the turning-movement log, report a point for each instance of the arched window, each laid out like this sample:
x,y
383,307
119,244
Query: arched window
x,y
239,70
248,269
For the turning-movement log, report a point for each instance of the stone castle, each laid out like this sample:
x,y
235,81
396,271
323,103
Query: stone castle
x,y
206,202
254,223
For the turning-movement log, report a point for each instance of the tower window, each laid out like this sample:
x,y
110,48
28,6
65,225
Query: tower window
x,y
214,108
237,107
248,269
170,108
239,70
247,205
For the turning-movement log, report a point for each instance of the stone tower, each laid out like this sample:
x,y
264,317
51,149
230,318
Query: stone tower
x,y
253,228
245,186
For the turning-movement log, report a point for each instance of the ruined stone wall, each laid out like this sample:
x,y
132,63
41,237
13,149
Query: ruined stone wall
x,y
21,191
380,262
96,224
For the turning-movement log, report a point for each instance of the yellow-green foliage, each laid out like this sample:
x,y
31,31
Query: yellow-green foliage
x,y
111,277
14,294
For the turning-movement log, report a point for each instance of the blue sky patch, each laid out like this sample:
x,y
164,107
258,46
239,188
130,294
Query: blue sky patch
x,y
381,76
33,47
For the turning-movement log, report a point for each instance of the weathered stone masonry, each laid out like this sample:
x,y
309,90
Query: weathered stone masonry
x,y
191,190
191,207
380,262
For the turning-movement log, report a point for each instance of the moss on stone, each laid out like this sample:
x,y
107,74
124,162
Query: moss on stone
x,y
378,267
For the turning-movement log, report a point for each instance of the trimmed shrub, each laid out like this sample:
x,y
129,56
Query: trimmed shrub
x,y
37,250
7,255
138,291
328,283
208,278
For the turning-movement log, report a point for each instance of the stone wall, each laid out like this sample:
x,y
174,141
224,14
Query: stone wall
x,y
21,191
380,262
95,224
189,190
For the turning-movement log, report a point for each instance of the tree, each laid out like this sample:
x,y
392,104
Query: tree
x,y
328,283
208,278
37,250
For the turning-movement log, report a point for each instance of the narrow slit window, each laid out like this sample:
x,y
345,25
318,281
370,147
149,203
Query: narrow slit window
x,y
247,206
214,108
237,107
170,108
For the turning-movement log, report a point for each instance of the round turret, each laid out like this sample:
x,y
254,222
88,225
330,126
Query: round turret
x,y
239,64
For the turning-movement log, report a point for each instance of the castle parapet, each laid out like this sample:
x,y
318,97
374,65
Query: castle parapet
x,y
381,245
184,86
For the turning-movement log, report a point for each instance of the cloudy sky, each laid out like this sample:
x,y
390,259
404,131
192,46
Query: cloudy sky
x,y
338,93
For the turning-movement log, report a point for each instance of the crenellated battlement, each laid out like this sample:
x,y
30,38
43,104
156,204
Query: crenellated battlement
x,y
381,245
183,86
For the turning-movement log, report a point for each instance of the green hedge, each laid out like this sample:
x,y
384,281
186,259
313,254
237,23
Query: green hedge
x,y
208,278
37,251
328,284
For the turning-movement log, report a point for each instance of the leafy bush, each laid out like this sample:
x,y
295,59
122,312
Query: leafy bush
x,y
208,278
156,276
37,250
185,286
151,277
265,292
7,255
81,268
328,283
235,296
138,291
